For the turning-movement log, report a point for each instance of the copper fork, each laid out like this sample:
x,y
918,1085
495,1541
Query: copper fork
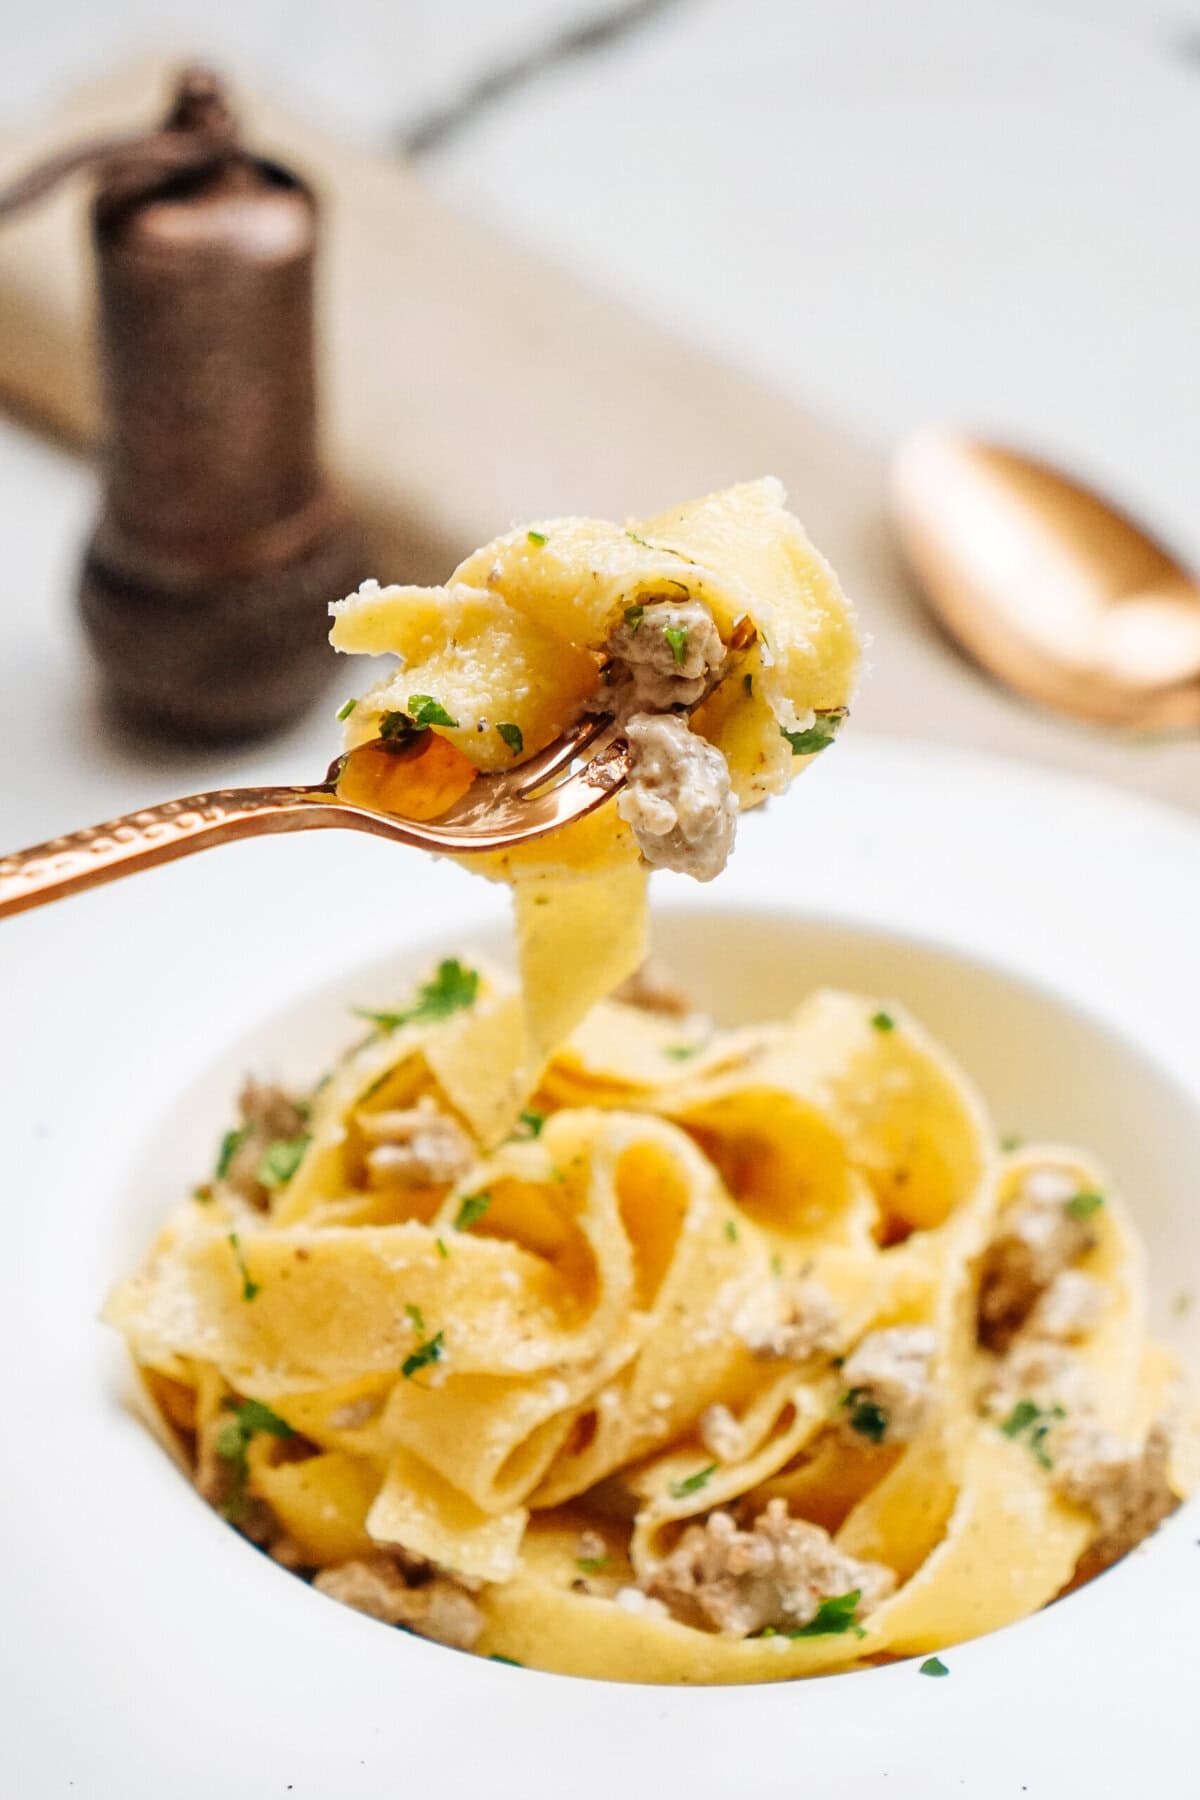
x,y
497,812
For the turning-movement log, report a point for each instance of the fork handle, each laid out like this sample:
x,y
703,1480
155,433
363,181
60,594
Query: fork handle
x,y
156,834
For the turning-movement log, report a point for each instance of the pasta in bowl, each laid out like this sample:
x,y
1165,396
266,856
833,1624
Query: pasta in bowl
x,y
748,1353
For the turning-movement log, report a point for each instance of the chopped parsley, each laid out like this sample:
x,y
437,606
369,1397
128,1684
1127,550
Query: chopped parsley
x,y
441,1248
424,1354
417,1317
633,618
833,1617
1010,1141
250,1289
1032,1422
536,537
676,636
510,1660
748,684
691,1484
423,709
281,1159
819,735
203,1194
867,1417
933,1665
513,737
233,1441
231,1143
593,1565
882,1021
680,1052
346,708
529,1125
471,1210
639,540
776,1265
1083,1205
731,1230
452,988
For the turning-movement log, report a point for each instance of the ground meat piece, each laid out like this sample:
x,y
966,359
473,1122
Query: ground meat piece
x,y
720,1433
653,989
1068,1309
1036,1237
1041,1370
267,1113
415,1147
889,1373
652,672
678,798
1127,1487
720,1578
802,1320
430,1603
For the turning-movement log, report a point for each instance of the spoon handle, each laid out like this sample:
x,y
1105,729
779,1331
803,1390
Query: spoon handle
x,y
156,834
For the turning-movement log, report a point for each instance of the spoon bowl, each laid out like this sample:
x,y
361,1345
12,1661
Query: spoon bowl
x,y
1048,586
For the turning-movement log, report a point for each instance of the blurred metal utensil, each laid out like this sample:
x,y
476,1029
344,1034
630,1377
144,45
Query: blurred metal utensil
x,y
1052,589
496,812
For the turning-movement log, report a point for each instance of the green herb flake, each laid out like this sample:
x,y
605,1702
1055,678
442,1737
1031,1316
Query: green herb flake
x,y
1084,1205
529,1125
867,1417
748,684
833,1617
203,1194
423,1356
510,1660
639,540
346,708
233,1440
731,1230
933,1665
691,1484
676,636
396,725
1032,1423
1010,1141
280,1160
593,1565
513,737
777,1265
423,709
441,1249
231,1143
680,1052
882,1022
250,1289
536,537
417,1317
451,990
633,618
471,1210
819,735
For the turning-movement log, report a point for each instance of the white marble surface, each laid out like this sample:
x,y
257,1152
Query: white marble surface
x,y
972,209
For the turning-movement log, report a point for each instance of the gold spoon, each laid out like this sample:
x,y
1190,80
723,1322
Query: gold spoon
x,y
1048,586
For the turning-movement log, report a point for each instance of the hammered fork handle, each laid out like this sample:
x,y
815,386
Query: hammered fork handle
x,y
156,834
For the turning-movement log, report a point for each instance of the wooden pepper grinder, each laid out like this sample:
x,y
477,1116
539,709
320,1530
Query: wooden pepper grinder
x,y
218,544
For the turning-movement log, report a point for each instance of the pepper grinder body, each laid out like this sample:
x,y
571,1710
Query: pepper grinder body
x,y
218,545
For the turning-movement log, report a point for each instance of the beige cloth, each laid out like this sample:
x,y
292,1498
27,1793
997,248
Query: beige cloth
x,y
468,384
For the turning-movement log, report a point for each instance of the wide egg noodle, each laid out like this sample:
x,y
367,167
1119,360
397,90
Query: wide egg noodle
x,y
516,638
600,1292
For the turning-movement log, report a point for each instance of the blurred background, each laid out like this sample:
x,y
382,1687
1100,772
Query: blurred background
x,y
597,255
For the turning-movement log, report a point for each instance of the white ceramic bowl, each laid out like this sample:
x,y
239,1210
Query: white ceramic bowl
x,y
151,1652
